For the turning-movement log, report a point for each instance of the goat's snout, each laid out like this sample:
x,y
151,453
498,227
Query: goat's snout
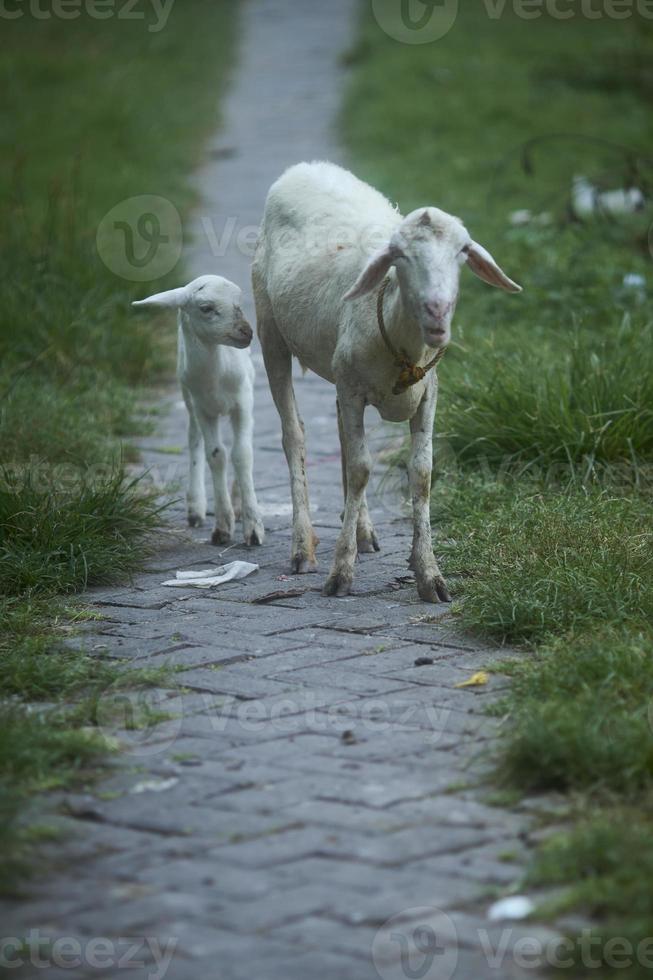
x,y
437,322
437,311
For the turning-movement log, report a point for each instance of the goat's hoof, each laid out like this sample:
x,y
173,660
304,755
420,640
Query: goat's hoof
x,y
220,537
195,520
301,565
255,537
433,590
368,544
338,585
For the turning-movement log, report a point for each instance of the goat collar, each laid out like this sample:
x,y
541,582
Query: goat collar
x,y
409,373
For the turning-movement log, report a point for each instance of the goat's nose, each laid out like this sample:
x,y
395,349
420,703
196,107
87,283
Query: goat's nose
x,y
246,331
436,310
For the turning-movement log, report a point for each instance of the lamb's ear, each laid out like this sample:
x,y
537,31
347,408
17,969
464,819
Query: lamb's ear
x,y
373,273
483,265
171,298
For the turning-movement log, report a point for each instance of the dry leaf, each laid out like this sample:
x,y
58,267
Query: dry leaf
x,y
476,680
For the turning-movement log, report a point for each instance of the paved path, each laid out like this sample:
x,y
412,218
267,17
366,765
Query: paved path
x,y
312,781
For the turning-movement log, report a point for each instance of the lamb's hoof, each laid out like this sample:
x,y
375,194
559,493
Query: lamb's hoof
x,y
302,565
220,537
195,520
433,590
338,585
368,545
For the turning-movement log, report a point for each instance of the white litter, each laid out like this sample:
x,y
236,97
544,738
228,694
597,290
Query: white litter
x,y
210,577
521,217
515,907
588,200
633,280
154,785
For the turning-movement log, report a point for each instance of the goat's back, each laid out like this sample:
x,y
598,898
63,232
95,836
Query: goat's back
x,y
325,192
320,226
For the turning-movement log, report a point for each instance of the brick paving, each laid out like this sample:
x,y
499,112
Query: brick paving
x,y
309,782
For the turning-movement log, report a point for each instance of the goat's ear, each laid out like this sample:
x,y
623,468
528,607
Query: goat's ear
x,y
483,265
171,298
373,273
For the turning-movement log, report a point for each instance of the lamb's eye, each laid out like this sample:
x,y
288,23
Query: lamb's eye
x,y
207,308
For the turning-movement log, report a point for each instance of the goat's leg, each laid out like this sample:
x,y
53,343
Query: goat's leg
x,y
216,457
278,364
358,464
366,538
236,499
242,455
430,583
196,495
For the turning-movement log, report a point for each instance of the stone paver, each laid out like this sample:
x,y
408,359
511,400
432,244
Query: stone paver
x,y
310,782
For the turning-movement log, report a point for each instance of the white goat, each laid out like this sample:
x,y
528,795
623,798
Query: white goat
x,y
217,377
316,283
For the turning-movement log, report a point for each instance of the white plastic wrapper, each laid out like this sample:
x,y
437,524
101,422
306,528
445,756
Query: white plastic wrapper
x,y
515,907
210,577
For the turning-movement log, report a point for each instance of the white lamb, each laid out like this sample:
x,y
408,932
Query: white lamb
x,y
217,378
316,284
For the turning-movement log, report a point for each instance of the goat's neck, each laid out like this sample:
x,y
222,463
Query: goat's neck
x,y
404,333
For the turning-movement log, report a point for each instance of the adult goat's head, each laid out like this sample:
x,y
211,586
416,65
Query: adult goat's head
x,y
210,307
428,249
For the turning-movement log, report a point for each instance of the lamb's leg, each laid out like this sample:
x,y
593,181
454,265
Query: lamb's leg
x,y
196,496
430,583
366,538
278,364
242,455
216,457
358,463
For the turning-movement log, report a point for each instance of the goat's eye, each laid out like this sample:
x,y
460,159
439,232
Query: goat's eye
x,y
207,308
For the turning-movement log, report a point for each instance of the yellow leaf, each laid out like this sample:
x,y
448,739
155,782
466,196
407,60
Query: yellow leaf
x,y
476,680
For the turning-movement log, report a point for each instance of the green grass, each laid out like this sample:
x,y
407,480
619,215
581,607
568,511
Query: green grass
x,y
94,113
544,451
62,540
540,563
582,408
609,859
603,746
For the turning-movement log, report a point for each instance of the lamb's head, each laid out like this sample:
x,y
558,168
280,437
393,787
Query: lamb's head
x,y
210,307
427,250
